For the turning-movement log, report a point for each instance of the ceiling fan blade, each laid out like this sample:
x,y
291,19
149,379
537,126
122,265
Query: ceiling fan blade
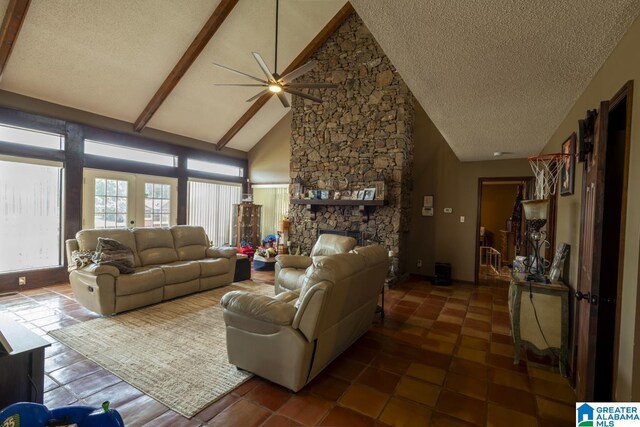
x,y
241,84
263,66
283,98
302,94
258,95
312,85
303,69
239,72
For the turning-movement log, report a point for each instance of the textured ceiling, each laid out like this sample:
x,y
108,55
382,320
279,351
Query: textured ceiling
x,y
492,75
497,75
109,57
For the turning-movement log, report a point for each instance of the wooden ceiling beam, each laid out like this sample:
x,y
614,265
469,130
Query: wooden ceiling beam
x,y
11,25
303,57
188,58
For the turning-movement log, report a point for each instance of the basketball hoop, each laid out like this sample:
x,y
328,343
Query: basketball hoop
x,y
546,168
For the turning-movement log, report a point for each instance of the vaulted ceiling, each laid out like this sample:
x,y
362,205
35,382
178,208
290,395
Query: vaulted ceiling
x,y
110,57
493,76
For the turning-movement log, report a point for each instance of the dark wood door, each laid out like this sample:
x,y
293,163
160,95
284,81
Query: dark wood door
x,y
588,287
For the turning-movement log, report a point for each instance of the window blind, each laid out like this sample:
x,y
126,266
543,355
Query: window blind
x,y
210,205
30,214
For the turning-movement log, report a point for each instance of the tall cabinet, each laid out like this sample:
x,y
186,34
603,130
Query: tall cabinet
x,y
246,224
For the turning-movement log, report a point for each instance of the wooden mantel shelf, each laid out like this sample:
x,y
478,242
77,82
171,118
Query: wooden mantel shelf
x,y
364,206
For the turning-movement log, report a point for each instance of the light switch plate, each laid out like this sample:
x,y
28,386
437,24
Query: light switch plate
x,y
461,219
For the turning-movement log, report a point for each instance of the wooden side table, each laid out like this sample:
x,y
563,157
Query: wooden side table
x,y
539,315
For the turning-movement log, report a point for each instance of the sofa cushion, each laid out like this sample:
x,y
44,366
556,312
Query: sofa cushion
x,y
155,246
141,280
88,240
331,244
191,242
180,271
290,278
372,254
332,268
214,266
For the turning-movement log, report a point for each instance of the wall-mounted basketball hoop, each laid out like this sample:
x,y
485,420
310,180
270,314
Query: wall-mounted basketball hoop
x,y
546,169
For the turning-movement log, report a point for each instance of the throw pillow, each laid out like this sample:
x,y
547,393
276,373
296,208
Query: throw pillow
x,y
112,252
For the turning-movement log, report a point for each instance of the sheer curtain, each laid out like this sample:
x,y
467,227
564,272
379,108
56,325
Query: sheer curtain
x,y
275,205
210,205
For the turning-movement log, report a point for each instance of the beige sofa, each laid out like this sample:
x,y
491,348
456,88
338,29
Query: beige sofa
x,y
290,338
169,262
290,268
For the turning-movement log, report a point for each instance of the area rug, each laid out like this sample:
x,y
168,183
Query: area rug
x,y
175,352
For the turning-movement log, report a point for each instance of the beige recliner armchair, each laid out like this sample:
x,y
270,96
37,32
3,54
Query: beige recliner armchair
x,y
290,338
290,268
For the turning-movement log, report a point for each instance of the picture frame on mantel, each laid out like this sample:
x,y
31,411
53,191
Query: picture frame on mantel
x,y
568,166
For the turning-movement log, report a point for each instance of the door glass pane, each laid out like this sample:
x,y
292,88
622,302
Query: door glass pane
x,y
30,206
101,187
114,205
156,196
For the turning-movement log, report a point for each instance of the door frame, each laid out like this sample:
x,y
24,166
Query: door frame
x,y
625,93
136,199
528,180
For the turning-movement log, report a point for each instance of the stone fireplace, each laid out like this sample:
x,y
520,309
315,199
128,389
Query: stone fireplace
x,y
361,133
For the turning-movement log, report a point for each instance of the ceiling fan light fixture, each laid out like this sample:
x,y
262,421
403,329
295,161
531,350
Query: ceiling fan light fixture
x,y
275,88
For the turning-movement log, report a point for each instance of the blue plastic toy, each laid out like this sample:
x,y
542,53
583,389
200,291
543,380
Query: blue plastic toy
x,y
37,415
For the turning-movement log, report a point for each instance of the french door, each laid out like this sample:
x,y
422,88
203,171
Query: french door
x,y
121,200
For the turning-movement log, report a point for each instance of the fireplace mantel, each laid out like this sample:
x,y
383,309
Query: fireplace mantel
x,y
364,206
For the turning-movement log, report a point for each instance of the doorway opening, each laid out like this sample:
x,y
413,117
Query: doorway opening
x,y
499,234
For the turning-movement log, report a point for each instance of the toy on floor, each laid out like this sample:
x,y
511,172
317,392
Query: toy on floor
x,y
265,257
36,415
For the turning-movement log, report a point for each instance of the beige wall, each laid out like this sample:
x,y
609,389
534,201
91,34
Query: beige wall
x,y
454,184
37,106
622,65
269,158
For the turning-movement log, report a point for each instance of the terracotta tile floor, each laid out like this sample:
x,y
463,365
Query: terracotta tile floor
x,y
441,357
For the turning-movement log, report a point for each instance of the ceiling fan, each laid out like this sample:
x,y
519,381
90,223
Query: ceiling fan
x,y
274,82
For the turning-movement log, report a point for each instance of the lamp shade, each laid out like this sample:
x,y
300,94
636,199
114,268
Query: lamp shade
x,y
535,209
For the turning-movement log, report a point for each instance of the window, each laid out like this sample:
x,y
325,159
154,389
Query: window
x,y
210,205
30,214
111,203
157,204
125,153
212,167
275,205
16,135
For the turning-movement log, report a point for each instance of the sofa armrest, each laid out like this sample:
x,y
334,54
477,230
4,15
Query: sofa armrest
x,y
294,261
97,269
221,252
259,307
289,296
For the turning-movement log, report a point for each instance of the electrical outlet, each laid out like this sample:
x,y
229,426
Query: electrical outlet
x,y
461,219
419,263
448,210
22,281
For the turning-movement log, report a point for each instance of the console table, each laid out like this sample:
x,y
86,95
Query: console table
x,y
21,369
551,304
